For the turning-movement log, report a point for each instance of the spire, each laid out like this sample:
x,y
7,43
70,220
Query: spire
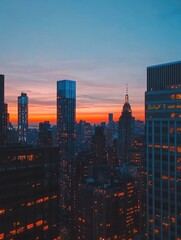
x,y
126,96
126,88
127,106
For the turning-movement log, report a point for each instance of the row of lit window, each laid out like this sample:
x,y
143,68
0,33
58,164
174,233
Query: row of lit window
x,y
28,227
171,148
162,106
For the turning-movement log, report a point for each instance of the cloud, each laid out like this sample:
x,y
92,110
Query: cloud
x,y
99,87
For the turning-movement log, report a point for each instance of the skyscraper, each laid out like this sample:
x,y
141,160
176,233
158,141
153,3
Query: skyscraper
x,y
22,117
163,151
45,134
66,110
30,200
2,109
125,132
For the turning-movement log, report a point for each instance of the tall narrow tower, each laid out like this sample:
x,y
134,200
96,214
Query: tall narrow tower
x,y
3,114
125,131
66,110
22,117
163,151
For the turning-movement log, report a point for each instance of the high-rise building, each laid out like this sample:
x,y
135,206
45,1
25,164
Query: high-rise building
x,y
99,146
45,133
163,151
30,185
110,118
125,132
22,117
107,210
66,112
3,125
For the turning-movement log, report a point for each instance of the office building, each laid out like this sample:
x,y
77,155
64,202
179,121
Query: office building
x,y
125,132
107,210
45,133
66,110
22,117
29,202
3,126
163,151
99,146
110,117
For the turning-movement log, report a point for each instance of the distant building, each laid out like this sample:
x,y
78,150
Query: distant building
x,y
125,132
3,116
22,117
83,134
99,146
163,151
45,133
32,136
110,117
30,185
12,135
66,110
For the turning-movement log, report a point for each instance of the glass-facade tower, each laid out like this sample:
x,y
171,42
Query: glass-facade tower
x,y
66,111
22,117
163,151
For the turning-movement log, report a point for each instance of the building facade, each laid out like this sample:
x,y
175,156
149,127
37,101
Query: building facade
x,y
30,185
45,133
3,113
163,151
66,112
22,117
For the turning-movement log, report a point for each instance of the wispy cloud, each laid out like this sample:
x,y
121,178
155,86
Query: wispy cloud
x,y
93,94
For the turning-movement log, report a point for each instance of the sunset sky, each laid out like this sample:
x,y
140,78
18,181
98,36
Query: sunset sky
x,y
102,44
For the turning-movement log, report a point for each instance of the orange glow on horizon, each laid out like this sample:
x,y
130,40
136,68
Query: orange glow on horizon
x,y
95,114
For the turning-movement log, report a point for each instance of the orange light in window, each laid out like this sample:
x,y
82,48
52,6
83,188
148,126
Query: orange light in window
x,y
1,235
39,223
165,225
179,149
13,232
20,230
164,177
30,204
39,200
2,211
29,226
151,220
45,199
45,228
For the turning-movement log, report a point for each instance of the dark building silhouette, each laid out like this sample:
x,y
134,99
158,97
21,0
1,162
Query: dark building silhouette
x,y
66,110
163,151
83,136
12,134
3,116
1,108
111,118
29,202
107,210
22,117
99,146
125,132
45,134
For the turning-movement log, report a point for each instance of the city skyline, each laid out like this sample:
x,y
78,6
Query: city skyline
x,y
102,45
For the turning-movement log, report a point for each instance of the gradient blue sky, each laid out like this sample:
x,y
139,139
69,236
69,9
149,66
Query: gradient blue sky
x,y
102,44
